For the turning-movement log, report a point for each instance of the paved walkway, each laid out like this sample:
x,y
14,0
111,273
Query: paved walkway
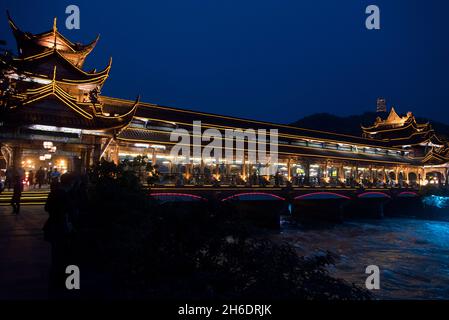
x,y
24,255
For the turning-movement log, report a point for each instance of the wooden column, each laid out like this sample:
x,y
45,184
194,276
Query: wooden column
x,y
115,155
397,175
17,156
341,173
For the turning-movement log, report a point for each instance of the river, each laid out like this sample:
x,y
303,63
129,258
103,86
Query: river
x,y
413,255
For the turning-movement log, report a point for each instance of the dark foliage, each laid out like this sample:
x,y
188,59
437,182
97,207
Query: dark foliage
x,y
190,250
8,91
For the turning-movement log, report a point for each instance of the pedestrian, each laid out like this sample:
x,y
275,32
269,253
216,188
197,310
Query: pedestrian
x,y
31,178
50,170
9,178
17,194
54,177
40,177
58,228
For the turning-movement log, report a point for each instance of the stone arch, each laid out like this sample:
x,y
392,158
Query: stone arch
x,y
434,177
392,176
412,178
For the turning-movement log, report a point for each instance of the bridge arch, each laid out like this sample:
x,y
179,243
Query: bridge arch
x,y
253,196
373,194
392,176
176,197
406,194
321,195
412,178
434,177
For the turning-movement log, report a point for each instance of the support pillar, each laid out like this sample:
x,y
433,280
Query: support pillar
x,y
16,156
307,172
397,175
341,173
115,156
96,151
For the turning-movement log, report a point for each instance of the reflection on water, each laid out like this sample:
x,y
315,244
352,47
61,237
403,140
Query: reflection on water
x,y
413,255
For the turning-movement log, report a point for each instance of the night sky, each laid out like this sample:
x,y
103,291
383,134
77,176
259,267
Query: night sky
x,y
275,60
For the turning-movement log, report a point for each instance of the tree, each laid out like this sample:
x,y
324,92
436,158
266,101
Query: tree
x,y
8,88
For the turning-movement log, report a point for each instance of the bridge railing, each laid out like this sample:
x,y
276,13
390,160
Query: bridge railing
x,y
221,180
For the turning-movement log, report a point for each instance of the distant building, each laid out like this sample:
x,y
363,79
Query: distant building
x,y
381,105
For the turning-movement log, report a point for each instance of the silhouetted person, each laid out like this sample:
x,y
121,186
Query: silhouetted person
x,y
54,175
40,177
17,194
9,178
58,227
31,178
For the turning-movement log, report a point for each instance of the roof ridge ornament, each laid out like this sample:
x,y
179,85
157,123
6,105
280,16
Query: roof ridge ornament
x,y
393,117
53,82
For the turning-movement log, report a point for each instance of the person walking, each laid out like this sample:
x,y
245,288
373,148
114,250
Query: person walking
x,y
9,178
31,179
17,194
54,177
58,228
40,177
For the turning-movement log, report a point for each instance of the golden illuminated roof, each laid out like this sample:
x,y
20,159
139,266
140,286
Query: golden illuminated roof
x,y
394,122
51,104
31,44
41,65
394,118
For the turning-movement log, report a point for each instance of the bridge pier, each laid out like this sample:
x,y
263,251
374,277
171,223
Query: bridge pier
x,y
319,210
405,206
371,208
263,214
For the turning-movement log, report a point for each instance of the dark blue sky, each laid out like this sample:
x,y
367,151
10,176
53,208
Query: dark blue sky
x,y
275,60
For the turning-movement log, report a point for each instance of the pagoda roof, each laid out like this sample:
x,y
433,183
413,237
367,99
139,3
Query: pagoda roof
x,y
436,156
41,65
31,44
393,117
384,127
43,106
394,122
418,138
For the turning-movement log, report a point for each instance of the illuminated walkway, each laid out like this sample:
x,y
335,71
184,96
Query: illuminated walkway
x,y
29,197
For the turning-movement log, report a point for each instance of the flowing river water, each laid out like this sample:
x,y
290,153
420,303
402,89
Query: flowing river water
x,y
412,254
